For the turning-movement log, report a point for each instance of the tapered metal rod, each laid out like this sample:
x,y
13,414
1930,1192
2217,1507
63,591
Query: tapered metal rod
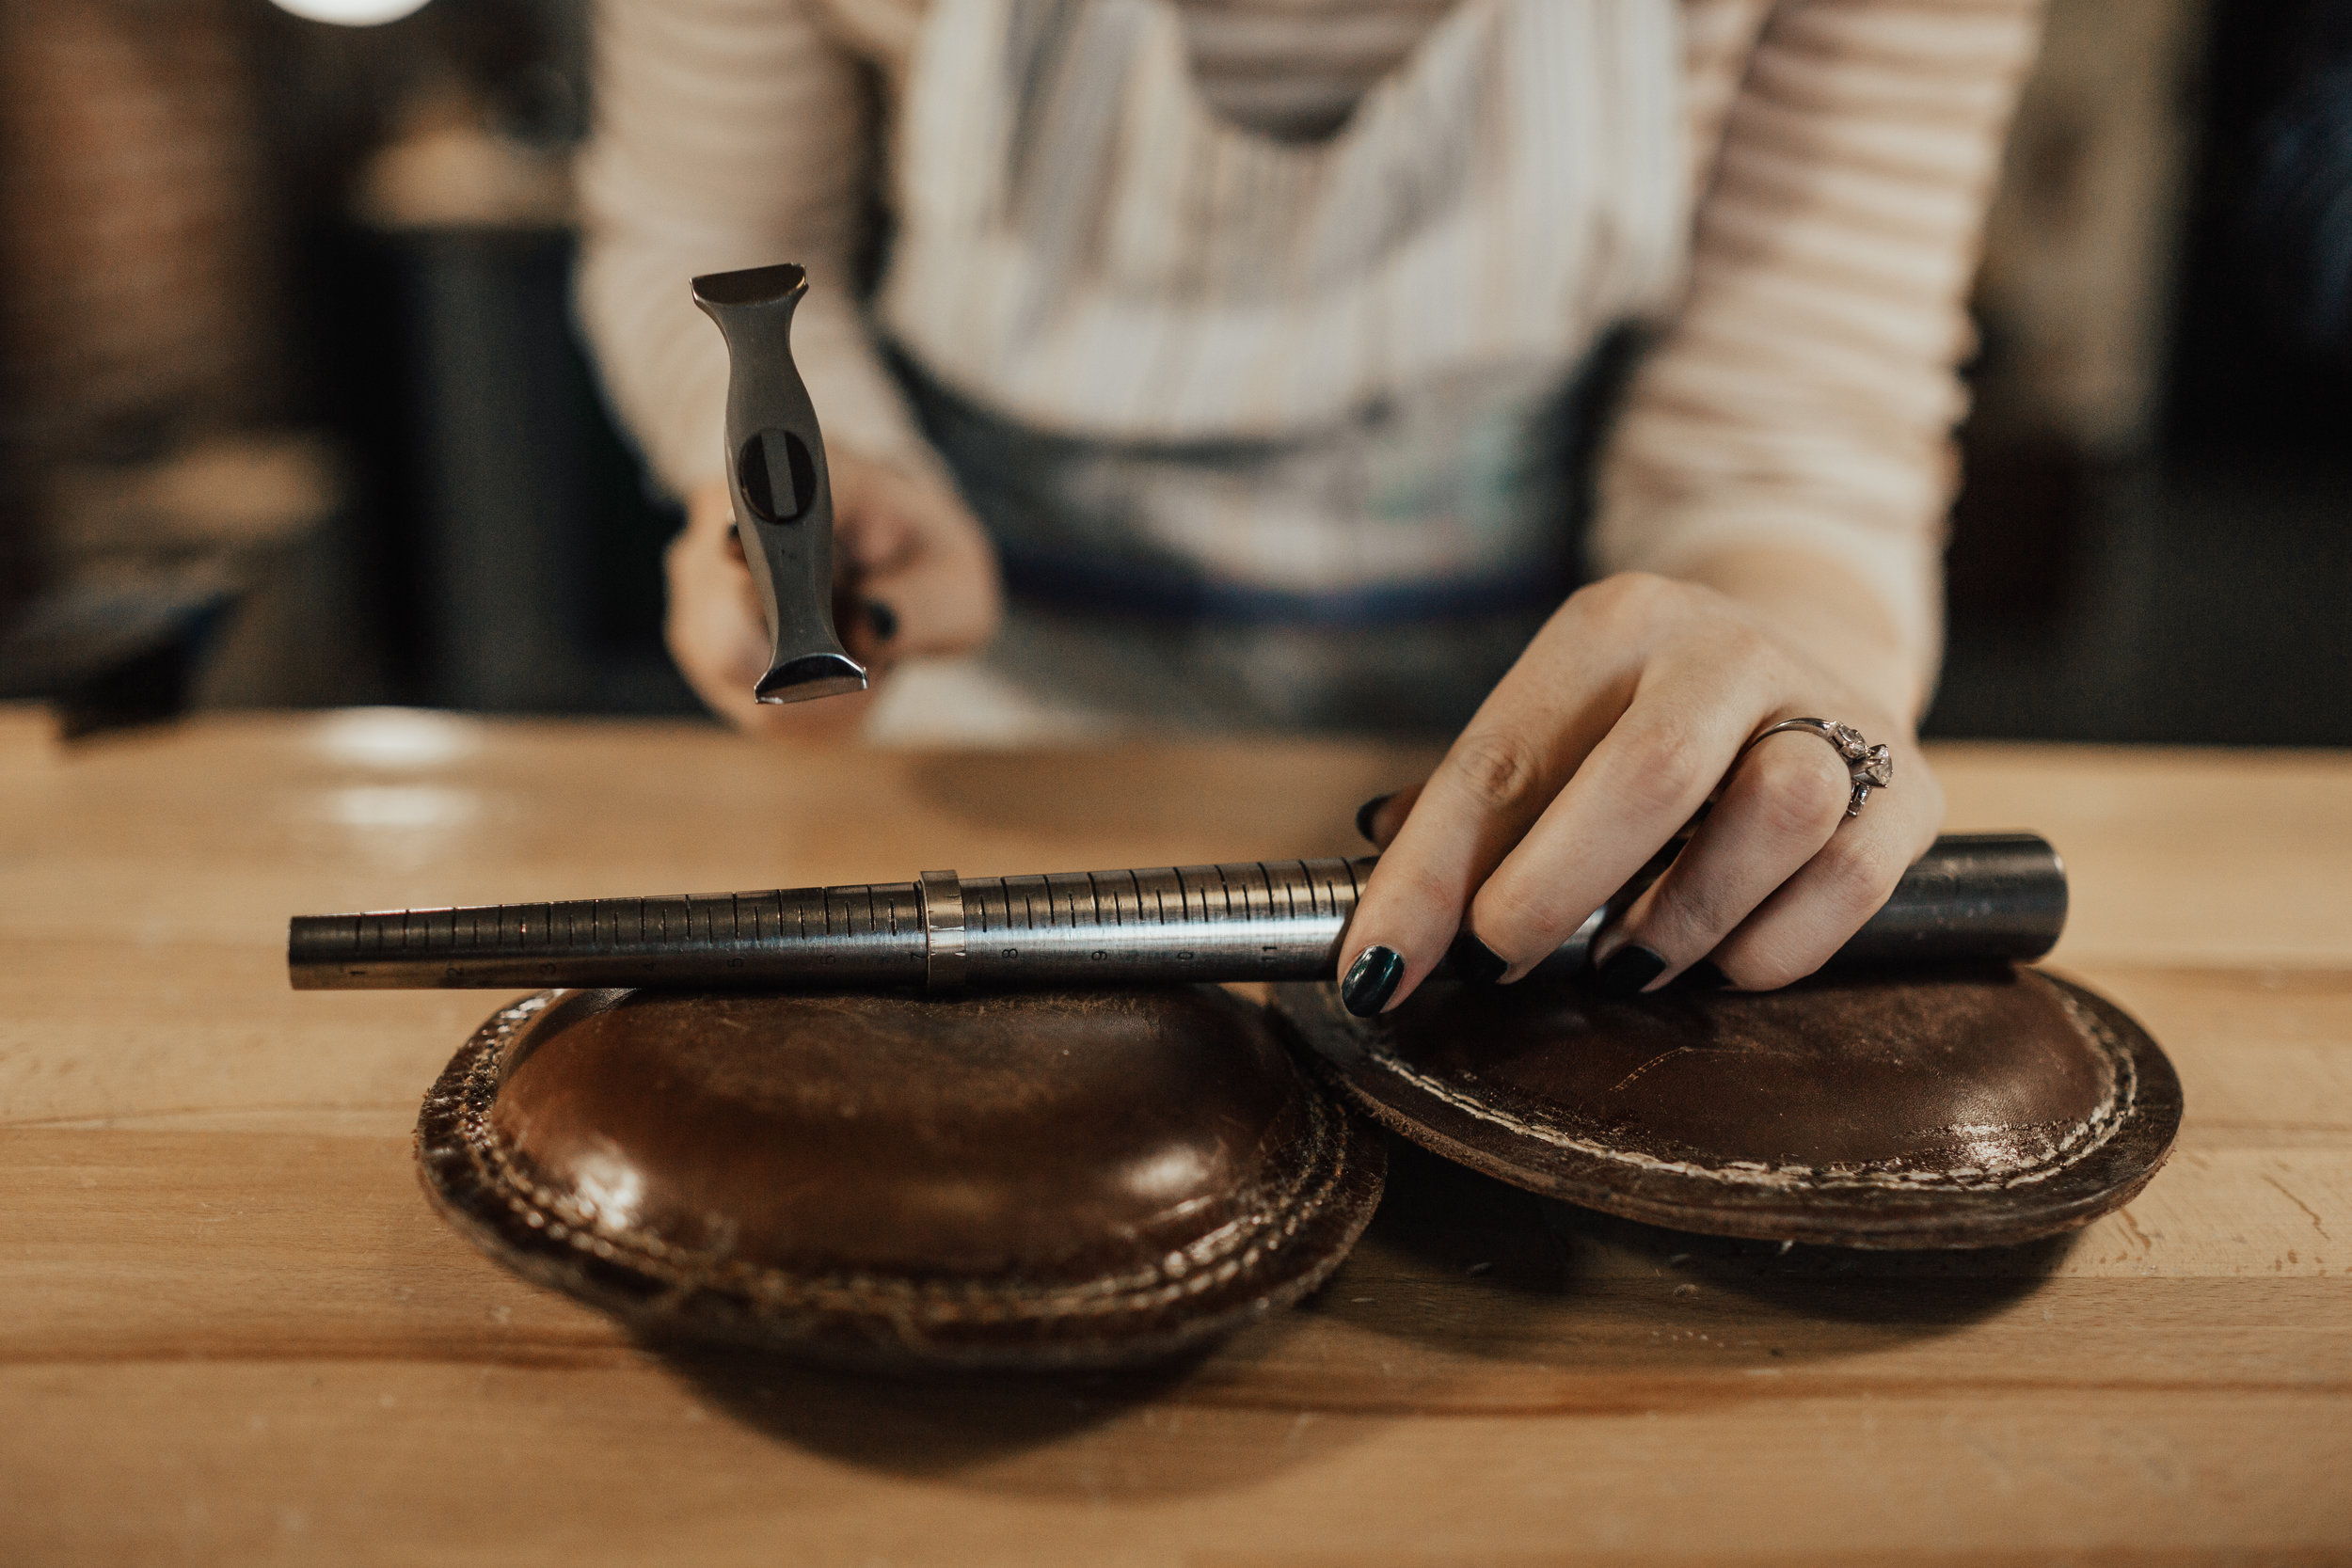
x,y
1973,895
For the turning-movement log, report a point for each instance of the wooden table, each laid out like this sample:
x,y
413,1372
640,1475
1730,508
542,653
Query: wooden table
x,y
235,1333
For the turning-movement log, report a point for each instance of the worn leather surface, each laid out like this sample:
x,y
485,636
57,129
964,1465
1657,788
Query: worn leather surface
x,y
1955,1109
1048,1180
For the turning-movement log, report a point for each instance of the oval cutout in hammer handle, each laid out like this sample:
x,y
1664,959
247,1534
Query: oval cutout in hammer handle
x,y
776,473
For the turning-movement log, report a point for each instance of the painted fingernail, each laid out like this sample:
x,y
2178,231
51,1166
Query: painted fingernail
x,y
1629,969
1704,976
1474,961
1372,980
882,619
1365,813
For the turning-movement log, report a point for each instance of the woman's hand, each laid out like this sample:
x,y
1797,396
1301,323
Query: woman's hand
x,y
913,574
1622,718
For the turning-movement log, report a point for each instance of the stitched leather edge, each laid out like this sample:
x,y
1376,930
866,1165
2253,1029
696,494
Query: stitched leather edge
x,y
2083,1139
461,1102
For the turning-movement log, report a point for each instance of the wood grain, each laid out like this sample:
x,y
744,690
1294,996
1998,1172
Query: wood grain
x,y
238,1335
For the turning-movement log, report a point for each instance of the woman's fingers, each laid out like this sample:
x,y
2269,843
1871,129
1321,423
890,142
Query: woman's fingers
x,y
1495,779
919,568
1612,731
873,517
713,622
941,599
1652,773
1520,748
1810,916
1779,808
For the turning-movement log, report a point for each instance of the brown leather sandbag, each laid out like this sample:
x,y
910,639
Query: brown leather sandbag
x,y
1979,1108
1031,1180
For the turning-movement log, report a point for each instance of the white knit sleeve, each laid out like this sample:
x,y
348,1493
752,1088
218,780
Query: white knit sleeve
x,y
1806,394
728,134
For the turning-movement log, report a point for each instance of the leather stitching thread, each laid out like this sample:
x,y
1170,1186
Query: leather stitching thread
x,y
2081,1141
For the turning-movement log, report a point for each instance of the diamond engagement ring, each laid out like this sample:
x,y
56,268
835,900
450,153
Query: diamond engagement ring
x,y
1869,767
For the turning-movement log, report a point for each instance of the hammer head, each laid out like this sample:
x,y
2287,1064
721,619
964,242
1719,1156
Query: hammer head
x,y
776,470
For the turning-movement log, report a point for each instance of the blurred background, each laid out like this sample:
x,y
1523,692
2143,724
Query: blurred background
x,y
293,412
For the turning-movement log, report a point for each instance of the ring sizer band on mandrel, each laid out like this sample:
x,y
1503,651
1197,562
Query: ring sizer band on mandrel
x,y
1972,896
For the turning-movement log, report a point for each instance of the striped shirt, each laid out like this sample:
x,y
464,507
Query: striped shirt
x,y
1802,394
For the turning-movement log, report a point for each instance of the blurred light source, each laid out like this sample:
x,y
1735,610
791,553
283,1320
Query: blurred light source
x,y
394,738
420,806
352,13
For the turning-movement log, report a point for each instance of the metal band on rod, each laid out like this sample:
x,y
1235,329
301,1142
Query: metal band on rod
x,y
944,951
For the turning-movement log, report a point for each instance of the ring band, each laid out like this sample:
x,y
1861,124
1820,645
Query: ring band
x,y
1867,766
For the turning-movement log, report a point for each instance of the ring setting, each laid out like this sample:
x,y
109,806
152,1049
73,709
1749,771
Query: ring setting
x,y
1867,766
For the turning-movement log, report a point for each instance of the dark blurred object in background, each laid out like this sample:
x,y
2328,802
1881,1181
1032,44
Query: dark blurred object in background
x,y
143,299
2298,228
208,575
140,324
174,528
519,563
290,409
2256,366
2186,583
2071,304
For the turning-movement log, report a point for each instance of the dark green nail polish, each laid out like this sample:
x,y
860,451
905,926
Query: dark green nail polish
x,y
1365,813
882,619
1372,980
1705,977
1474,961
1629,969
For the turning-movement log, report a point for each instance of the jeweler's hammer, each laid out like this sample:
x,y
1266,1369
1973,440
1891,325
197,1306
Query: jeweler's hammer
x,y
776,473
